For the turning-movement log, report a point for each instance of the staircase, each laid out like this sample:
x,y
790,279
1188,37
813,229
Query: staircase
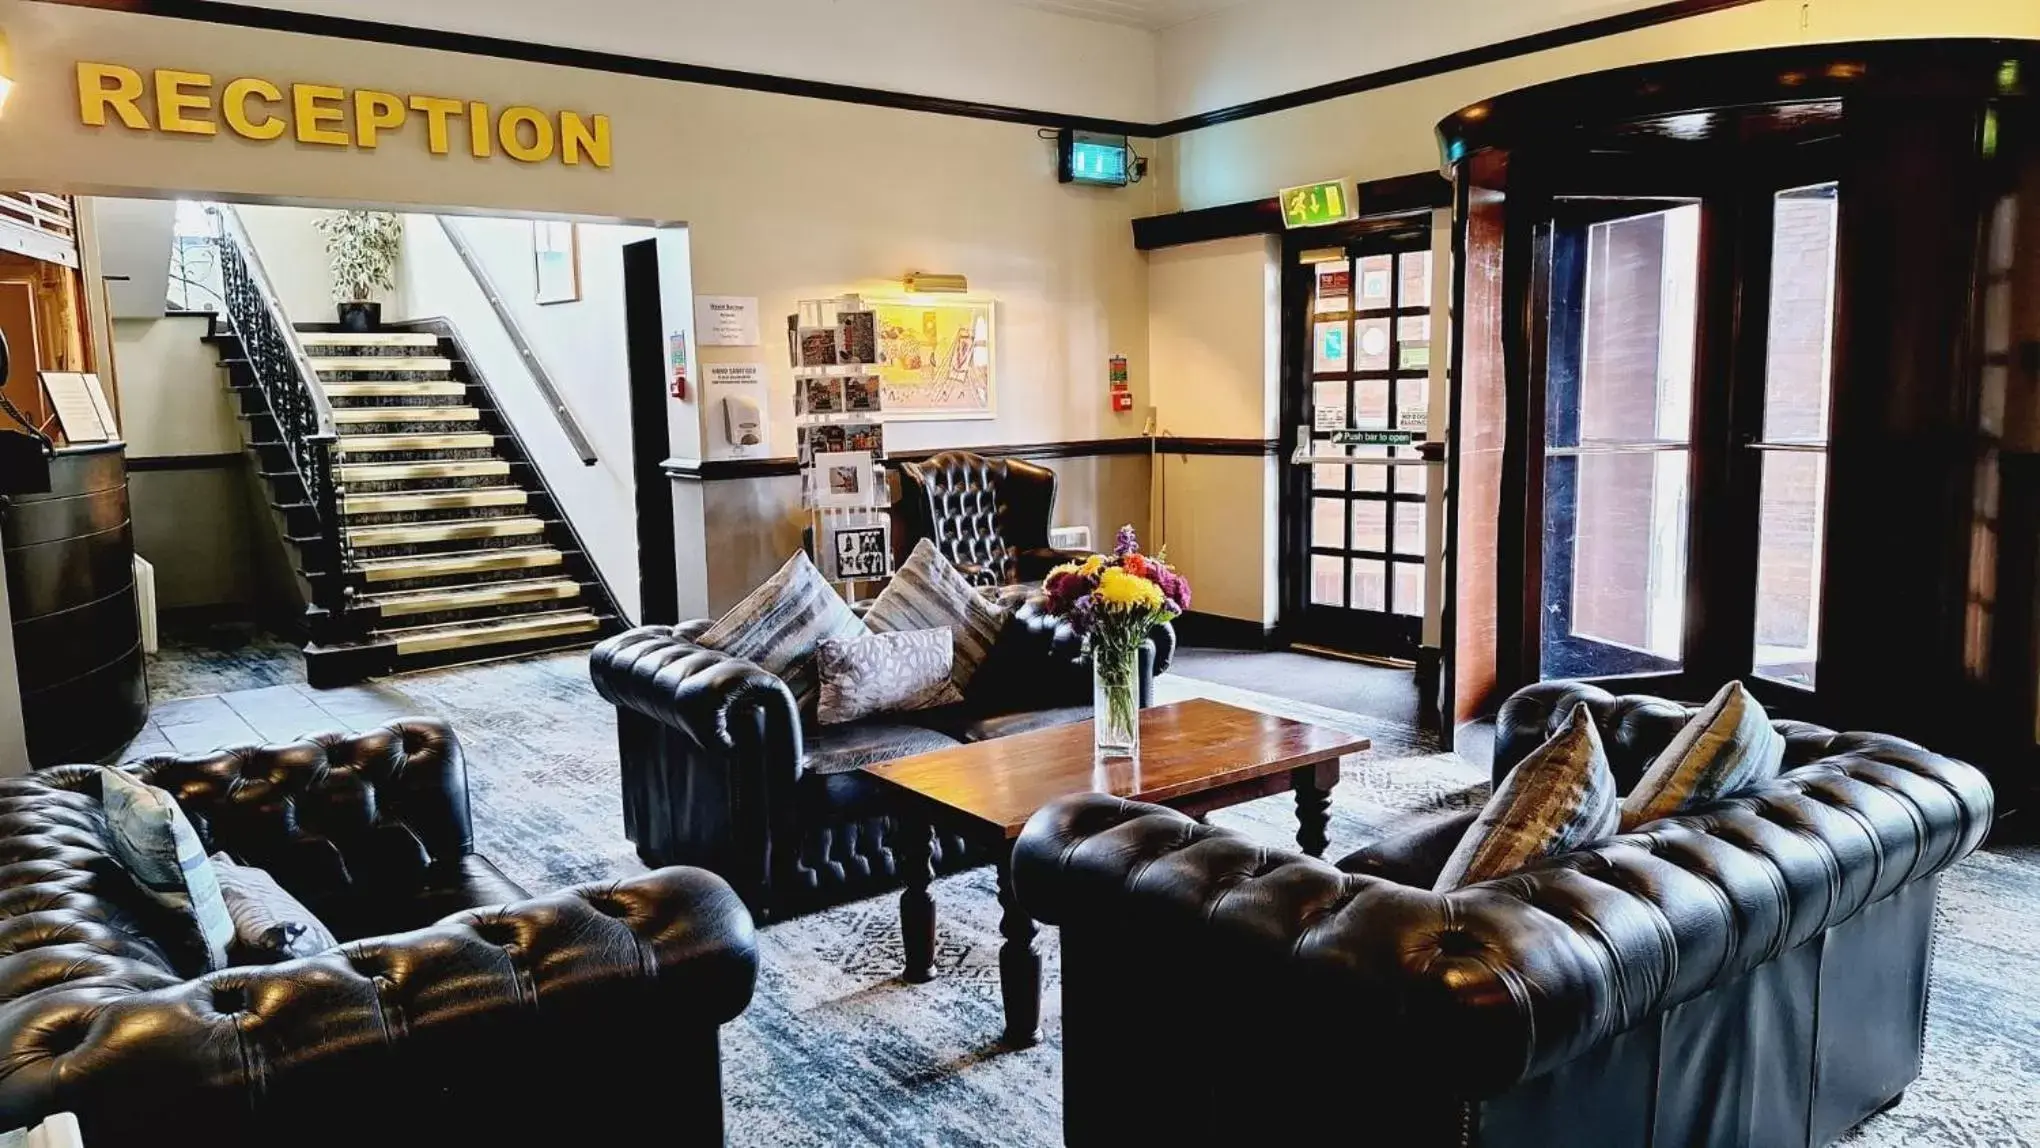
x,y
422,534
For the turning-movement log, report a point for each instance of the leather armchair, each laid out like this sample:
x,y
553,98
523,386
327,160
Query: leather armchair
x,y
721,771
989,516
515,1019
1754,972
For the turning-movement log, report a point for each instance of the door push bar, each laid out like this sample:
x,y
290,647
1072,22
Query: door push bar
x,y
1431,453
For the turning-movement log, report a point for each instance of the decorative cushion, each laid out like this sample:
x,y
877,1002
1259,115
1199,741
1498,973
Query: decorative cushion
x,y
930,593
1727,747
885,673
833,749
1559,798
158,847
780,625
270,925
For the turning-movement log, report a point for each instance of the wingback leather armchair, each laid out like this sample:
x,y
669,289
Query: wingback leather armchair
x,y
1751,973
721,770
458,1008
989,516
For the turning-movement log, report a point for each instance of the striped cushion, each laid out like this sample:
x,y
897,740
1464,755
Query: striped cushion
x,y
1558,799
929,593
270,925
1726,748
781,624
160,849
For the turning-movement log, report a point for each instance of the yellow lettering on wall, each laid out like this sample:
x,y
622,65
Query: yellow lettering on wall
x,y
172,101
313,105
478,130
511,127
103,86
234,109
374,113
577,136
437,109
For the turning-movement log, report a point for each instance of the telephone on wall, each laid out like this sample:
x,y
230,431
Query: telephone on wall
x,y
743,423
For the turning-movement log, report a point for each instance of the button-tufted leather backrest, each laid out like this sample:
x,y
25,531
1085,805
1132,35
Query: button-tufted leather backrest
x,y
1634,728
981,512
333,816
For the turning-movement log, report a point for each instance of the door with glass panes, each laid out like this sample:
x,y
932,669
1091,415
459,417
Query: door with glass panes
x,y
1680,453
1366,324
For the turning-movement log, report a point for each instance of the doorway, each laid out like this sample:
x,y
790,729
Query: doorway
x,y
1357,317
1682,363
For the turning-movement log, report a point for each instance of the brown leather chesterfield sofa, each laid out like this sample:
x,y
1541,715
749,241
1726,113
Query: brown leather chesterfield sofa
x,y
458,1009
1753,973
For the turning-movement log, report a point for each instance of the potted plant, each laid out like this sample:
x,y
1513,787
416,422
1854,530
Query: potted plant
x,y
362,248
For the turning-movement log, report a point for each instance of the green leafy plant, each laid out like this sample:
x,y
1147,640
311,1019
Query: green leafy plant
x,y
362,248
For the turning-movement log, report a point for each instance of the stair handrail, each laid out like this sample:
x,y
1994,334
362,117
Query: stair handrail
x,y
539,375
290,386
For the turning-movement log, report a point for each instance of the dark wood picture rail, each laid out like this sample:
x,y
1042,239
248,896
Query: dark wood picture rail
x,y
370,31
1398,195
723,470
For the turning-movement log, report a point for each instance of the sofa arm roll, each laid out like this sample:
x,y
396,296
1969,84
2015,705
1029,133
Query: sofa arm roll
x,y
335,1047
704,693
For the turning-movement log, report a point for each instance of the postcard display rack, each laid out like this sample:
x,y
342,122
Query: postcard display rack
x,y
839,408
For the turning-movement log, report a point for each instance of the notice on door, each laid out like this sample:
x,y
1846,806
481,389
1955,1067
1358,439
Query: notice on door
x,y
726,320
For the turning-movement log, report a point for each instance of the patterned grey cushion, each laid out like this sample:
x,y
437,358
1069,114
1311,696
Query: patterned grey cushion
x,y
930,593
1558,799
270,925
886,673
1727,747
779,625
160,849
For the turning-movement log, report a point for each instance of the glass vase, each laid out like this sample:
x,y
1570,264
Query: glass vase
x,y
1115,699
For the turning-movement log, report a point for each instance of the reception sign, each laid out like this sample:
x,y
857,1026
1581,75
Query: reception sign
x,y
194,103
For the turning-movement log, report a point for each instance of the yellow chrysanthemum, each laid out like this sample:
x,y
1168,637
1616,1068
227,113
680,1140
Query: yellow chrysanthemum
x,y
1122,591
1092,565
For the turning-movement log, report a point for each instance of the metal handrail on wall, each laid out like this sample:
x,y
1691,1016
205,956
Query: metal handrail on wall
x,y
539,375
290,386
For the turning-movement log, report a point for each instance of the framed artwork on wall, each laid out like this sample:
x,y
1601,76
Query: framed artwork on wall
x,y
558,248
936,357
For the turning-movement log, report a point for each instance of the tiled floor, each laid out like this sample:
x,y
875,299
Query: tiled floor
x,y
265,715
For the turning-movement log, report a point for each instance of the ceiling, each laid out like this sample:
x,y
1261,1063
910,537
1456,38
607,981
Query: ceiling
x,y
1150,14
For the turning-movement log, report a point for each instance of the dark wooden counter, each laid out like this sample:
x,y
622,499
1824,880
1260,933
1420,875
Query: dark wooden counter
x,y
71,587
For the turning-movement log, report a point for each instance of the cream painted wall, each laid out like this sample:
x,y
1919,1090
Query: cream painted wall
x,y
1390,131
1215,353
293,255
961,49
173,400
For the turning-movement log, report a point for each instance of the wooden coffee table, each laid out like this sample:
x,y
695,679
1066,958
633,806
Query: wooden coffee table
x,y
1195,756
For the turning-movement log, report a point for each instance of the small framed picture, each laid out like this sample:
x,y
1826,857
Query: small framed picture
x,y
829,439
558,248
862,436
818,396
821,346
844,479
864,394
861,553
860,336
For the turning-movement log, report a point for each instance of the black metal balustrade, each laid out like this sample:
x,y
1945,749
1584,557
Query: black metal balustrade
x,y
297,404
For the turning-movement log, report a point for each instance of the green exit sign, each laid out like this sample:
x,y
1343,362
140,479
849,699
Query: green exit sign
x,y
1316,204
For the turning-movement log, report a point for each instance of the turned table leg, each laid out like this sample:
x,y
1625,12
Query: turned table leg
x,y
917,907
1019,963
1313,785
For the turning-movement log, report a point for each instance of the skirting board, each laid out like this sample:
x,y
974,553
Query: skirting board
x,y
1216,631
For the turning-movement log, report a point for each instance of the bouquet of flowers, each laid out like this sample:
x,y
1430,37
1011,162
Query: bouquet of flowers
x,y
1113,601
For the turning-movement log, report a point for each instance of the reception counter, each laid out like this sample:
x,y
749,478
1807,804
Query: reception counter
x,y
70,582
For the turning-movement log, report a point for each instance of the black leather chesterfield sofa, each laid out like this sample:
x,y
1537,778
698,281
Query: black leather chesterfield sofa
x,y
720,770
1750,974
571,1018
989,516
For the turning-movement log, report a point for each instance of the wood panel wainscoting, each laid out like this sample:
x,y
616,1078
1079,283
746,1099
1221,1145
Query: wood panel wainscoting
x,y
725,470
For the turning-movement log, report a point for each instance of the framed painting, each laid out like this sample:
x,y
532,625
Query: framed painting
x,y
558,247
936,357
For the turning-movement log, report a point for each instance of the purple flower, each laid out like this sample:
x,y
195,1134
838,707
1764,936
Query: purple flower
x,y
1174,587
1128,544
1083,615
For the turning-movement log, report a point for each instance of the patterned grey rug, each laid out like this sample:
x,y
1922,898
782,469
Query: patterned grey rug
x,y
838,1051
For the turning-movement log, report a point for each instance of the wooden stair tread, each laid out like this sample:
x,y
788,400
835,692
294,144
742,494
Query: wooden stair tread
x,y
326,364
393,388
403,602
449,498
384,443
458,562
468,635
406,471
450,530
346,415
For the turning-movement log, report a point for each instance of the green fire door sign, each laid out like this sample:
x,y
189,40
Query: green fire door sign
x,y
1316,204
